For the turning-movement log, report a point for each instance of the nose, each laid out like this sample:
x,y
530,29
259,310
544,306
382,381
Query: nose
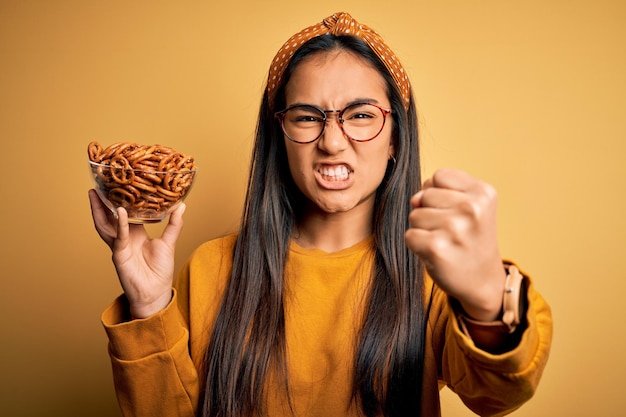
x,y
333,140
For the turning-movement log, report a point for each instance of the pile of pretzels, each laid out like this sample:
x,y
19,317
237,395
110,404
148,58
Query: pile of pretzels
x,y
147,180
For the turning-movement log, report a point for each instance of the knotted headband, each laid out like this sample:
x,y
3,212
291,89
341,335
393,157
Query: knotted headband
x,y
339,24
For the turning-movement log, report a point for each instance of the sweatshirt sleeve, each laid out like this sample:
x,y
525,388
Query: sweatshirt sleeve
x,y
495,384
152,370
156,360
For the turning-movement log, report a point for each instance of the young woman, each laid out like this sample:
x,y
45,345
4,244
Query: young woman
x,y
351,289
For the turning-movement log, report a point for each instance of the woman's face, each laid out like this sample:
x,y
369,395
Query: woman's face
x,y
335,173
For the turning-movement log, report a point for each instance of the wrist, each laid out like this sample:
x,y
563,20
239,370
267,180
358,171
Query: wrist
x,y
486,302
495,334
145,310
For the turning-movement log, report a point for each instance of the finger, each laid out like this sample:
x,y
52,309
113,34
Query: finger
x,y
453,179
431,219
174,225
101,216
416,198
441,198
422,218
418,241
123,229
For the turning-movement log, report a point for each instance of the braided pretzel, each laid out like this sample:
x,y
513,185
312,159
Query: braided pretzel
x,y
147,180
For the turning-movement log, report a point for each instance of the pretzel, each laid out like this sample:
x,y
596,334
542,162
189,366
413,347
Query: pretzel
x,y
121,170
144,179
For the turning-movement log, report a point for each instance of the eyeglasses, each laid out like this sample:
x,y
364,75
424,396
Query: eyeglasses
x,y
361,122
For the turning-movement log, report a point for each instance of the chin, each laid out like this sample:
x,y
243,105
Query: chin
x,y
334,207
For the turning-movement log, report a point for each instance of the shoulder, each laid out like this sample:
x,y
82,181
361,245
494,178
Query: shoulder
x,y
218,245
211,258
205,272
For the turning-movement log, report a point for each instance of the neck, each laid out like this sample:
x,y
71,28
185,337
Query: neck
x,y
332,232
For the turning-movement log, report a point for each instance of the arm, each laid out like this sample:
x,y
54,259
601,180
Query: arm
x,y
453,230
495,384
148,338
152,369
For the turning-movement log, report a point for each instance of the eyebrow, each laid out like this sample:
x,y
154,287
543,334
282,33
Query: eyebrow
x,y
350,103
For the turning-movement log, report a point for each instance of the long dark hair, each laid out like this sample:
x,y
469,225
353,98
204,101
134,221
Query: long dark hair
x,y
248,339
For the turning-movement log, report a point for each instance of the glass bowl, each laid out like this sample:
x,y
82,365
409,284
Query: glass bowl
x,y
148,195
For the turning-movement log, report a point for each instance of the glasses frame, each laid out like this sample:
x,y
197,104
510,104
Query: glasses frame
x,y
280,115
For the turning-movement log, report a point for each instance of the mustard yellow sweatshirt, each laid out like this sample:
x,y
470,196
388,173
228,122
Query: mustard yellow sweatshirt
x,y
156,360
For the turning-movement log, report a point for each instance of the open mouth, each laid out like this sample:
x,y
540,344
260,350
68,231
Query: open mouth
x,y
336,173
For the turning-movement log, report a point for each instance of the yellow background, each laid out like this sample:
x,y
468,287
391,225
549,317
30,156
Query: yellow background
x,y
528,95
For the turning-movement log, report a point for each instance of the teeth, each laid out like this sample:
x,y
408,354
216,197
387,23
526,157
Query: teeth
x,y
336,173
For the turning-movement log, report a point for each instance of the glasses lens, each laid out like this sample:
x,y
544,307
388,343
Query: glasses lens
x,y
303,123
360,122
363,121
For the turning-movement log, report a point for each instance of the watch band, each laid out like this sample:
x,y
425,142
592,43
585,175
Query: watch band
x,y
512,306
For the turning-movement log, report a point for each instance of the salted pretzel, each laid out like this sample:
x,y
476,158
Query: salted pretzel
x,y
144,179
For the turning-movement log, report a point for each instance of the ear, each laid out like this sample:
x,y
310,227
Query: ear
x,y
392,148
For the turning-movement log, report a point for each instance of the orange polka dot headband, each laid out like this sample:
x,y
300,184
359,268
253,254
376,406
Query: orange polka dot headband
x,y
339,24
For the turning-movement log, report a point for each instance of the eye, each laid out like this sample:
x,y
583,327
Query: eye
x,y
306,118
361,113
304,115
